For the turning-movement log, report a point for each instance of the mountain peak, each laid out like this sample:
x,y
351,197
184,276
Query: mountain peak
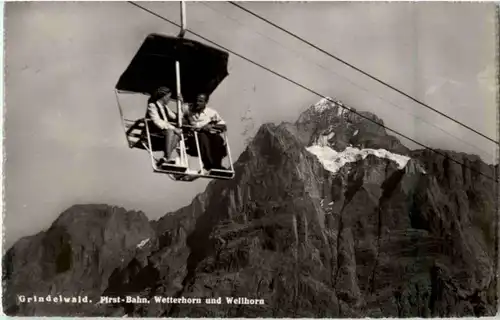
x,y
324,103
328,105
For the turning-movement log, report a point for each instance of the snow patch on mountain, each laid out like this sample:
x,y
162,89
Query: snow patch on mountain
x,y
324,104
327,103
333,161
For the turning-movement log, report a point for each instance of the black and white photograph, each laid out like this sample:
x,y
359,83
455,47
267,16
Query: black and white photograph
x,y
254,159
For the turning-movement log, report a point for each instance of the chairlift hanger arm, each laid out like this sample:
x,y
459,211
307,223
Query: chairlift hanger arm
x,y
177,67
183,20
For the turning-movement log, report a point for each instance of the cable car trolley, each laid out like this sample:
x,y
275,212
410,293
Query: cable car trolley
x,y
174,63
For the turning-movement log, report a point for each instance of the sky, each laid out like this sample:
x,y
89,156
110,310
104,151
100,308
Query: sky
x,y
64,143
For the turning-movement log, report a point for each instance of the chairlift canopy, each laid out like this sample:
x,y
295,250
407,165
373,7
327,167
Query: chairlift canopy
x,y
202,68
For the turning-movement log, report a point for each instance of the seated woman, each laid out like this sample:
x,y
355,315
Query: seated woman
x,y
161,116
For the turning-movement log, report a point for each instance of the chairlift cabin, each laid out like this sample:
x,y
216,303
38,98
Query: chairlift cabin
x,y
175,63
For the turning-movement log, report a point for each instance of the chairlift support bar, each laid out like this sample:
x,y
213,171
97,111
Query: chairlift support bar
x,y
183,20
177,64
178,80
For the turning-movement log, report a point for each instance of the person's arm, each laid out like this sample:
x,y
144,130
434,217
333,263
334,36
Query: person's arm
x,y
155,117
184,111
217,122
185,114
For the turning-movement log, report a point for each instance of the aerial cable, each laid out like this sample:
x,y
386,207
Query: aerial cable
x,y
361,71
484,152
308,89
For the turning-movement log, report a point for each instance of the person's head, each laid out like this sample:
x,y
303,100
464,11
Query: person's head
x,y
201,102
162,94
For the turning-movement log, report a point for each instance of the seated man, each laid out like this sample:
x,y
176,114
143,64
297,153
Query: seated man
x,y
212,145
161,116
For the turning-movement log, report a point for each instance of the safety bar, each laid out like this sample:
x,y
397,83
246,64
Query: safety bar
x,y
192,128
184,126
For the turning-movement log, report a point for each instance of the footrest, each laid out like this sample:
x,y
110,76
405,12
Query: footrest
x,y
221,173
173,168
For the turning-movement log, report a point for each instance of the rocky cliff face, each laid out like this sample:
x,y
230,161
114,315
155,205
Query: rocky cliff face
x,y
326,217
